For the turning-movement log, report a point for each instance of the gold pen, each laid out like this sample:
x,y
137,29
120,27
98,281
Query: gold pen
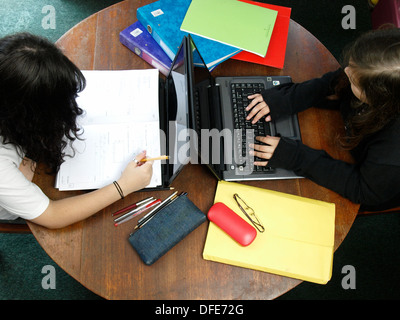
x,y
156,158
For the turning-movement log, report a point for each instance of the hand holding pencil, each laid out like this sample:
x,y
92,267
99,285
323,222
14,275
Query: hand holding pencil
x,y
136,175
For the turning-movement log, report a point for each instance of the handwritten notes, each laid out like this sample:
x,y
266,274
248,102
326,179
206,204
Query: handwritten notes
x,y
121,119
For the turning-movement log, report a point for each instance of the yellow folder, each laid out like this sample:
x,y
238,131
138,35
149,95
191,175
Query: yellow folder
x,y
298,240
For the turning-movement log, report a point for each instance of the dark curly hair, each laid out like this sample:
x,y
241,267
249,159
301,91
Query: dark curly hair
x,y
38,88
375,59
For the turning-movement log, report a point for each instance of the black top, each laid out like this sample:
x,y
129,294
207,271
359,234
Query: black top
x,y
373,180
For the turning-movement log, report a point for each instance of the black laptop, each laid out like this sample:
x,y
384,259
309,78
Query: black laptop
x,y
203,119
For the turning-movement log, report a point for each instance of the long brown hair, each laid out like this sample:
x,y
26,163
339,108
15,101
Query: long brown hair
x,y
38,87
375,60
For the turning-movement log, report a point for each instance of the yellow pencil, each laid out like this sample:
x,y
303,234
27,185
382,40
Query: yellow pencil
x,y
157,158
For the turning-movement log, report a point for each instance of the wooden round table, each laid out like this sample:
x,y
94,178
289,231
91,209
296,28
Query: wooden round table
x,y
98,255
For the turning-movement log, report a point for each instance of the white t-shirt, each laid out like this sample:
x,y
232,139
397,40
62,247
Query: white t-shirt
x,y
19,197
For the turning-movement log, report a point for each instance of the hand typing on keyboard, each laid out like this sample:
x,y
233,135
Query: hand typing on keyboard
x,y
258,107
265,150
245,97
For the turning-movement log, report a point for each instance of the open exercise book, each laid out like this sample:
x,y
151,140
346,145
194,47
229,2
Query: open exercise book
x,y
121,119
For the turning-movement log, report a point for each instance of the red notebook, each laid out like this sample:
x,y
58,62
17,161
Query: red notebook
x,y
275,56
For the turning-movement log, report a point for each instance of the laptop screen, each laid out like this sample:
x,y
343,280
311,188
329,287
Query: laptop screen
x,y
178,113
205,112
189,107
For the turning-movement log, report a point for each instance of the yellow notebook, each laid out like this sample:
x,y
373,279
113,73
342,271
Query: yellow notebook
x,y
298,240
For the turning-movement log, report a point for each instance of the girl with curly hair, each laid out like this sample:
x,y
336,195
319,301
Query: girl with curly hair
x,y
38,113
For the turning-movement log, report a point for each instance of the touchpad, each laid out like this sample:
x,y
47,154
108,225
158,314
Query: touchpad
x,y
285,127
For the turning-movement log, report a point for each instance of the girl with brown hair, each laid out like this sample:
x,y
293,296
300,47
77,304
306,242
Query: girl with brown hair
x,y
367,92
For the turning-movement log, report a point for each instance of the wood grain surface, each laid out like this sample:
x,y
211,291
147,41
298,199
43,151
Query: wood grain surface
x,y
98,255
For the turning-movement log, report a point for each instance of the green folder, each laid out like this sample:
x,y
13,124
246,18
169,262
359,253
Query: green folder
x,y
242,25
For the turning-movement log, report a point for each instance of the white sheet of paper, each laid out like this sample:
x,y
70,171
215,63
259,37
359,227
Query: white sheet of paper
x,y
121,119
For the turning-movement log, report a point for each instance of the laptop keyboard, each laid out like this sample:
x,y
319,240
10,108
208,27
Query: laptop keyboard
x,y
240,91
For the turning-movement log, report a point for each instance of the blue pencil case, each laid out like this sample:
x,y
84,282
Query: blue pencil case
x,y
168,227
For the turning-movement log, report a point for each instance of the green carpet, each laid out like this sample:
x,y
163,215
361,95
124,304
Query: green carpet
x,y
17,15
21,272
372,246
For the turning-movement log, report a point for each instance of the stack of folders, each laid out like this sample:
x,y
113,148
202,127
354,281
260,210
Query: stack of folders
x,y
243,30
